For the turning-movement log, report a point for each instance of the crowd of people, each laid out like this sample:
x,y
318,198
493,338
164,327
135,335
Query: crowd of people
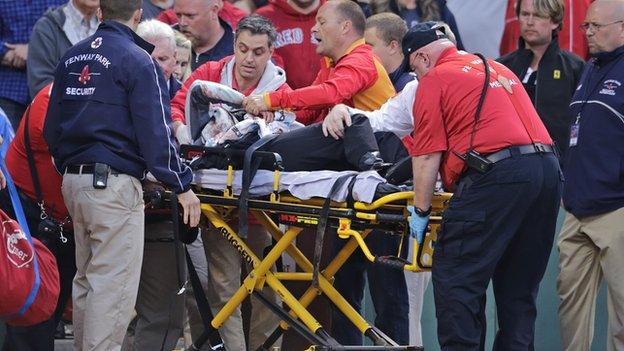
x,y
93,98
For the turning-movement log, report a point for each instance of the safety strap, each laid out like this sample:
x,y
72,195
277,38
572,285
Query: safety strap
x,y
21,219
249,171
484,90
31,159
321,227
210,334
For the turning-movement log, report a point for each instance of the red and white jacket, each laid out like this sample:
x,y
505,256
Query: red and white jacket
x,y
222,71
295,49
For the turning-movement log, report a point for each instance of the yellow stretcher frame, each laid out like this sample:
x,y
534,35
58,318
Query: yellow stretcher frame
x,y
352,223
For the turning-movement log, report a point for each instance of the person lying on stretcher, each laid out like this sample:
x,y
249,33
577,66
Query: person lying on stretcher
x,y
215,118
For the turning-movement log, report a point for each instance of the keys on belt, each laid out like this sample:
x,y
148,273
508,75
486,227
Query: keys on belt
x,y
520,150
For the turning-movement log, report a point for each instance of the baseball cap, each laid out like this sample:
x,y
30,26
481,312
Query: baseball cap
x,y
421,35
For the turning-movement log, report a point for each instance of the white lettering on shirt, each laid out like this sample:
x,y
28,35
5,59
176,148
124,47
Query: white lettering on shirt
x,y
289,37
88,57
79,91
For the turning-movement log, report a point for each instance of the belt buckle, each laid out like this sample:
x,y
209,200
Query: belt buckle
x,y
540,148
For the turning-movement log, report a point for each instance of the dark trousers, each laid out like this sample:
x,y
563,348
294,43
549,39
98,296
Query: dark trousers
x,y
14,111
499,226
387,288
40,337
386,285
307,149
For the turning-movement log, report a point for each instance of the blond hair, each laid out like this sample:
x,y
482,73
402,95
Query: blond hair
x,y
552,9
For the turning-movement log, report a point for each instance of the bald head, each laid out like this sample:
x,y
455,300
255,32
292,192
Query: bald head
x,y
424,59
339,23
614,7
351,11
605,26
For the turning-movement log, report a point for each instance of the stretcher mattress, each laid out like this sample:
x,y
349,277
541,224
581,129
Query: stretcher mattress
x,y
302,185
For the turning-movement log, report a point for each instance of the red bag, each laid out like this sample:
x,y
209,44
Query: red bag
x,y
29,287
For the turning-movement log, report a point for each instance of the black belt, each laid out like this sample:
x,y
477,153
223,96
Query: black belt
x,y
537,148
86,169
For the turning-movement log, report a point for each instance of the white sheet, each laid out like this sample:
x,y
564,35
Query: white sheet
x,y
303,185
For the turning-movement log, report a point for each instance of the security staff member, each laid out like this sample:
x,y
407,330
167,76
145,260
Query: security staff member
x,y
501,220
591,242
107,124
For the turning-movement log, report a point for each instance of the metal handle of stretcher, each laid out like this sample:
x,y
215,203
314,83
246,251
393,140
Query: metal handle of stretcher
x,y
415,265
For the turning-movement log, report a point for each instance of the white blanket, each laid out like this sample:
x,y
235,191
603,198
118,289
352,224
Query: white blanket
x,y
302,185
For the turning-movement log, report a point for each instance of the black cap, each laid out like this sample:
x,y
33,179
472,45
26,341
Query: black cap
x,y
421,35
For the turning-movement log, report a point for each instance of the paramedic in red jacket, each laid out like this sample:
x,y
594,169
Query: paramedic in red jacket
x,y
295,49
249,70
350,73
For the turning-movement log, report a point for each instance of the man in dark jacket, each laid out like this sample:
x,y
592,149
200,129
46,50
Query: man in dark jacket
x,y
159,307
53,34
550,75
591,242
108,122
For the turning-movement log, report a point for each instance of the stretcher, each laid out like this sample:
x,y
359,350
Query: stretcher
x,y
350,219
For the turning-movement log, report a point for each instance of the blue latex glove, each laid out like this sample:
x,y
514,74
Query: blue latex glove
x,y
418,225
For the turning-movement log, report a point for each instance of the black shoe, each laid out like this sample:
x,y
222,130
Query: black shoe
x,y
371,161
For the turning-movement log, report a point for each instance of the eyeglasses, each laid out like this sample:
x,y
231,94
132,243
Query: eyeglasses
x,y
585,26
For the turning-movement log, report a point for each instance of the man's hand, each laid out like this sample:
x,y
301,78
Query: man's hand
x,y
182,133
268,116
191,208
336,120
20,54
255,104
7,59
418,225
2,181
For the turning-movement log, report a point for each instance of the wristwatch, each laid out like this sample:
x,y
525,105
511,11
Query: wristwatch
x,y
421,213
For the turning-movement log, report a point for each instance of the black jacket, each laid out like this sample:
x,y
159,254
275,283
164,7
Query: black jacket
x,y
558,75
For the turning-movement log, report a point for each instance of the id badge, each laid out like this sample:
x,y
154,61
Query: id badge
x,y
574,132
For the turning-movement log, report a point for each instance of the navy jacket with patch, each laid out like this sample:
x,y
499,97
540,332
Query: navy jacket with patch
x,y
594,168
110,104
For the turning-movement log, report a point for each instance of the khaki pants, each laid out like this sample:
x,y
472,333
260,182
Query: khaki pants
x,y
224,277
108,228
589,249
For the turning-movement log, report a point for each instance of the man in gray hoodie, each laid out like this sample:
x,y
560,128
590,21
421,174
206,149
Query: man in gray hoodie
x,y
54,33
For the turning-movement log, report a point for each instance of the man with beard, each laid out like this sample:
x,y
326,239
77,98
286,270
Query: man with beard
x,y
212,38
550,75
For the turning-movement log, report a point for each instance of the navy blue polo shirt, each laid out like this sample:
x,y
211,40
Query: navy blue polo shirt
x,y
224,47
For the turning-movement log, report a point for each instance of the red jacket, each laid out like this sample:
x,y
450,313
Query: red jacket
x,y
210,71
357,79
444,111
571,38
296,47
229,13
17,161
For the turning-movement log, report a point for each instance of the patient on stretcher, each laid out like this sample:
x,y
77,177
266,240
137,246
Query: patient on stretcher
x,y
216,119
